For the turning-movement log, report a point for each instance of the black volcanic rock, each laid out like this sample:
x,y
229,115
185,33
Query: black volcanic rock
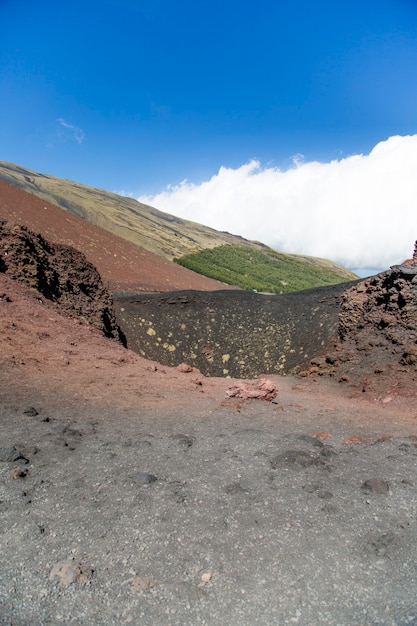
x,y
241,334
377,330
60,273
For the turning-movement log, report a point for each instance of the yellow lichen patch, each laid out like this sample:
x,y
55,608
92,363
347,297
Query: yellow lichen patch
x,y
151,331
225,358
169,346
225,372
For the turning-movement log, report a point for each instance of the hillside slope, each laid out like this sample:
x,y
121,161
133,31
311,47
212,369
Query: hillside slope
x,y
143,225
163,234
122,265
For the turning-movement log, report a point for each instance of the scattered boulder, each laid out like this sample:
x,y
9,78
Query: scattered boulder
x,y
262,389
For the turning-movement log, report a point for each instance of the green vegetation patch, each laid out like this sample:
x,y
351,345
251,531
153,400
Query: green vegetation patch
x,y
263,270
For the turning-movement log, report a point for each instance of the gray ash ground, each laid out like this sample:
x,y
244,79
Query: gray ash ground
x,y
296,512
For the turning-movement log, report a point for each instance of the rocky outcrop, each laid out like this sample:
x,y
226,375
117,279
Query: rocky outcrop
x,y
377,330
60,273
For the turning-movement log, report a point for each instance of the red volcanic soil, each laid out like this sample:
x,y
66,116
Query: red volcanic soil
x,y
122,265
50,355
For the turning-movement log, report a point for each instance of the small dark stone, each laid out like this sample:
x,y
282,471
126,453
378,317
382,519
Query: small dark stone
x,y
72,432
143,478
293,458
375,485
314,441
381,543
405,447
330,508
11,454
311,488
325,495
327,452
183,440
31,411
234,489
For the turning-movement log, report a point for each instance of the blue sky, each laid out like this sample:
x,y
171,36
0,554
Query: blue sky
x,y
136,96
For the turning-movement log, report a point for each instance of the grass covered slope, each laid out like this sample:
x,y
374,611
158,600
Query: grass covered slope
x,y
264,269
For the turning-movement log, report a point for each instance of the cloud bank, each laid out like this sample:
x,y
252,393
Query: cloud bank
x,y
359,211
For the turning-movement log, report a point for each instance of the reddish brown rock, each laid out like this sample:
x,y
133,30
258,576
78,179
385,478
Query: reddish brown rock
x,y
262,389
376,340
184,368
60,273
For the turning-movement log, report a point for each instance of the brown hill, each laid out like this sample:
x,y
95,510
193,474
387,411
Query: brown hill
x,y
122,265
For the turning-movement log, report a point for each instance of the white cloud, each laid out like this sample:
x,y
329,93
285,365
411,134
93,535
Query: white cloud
x,y
360,211
70,129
